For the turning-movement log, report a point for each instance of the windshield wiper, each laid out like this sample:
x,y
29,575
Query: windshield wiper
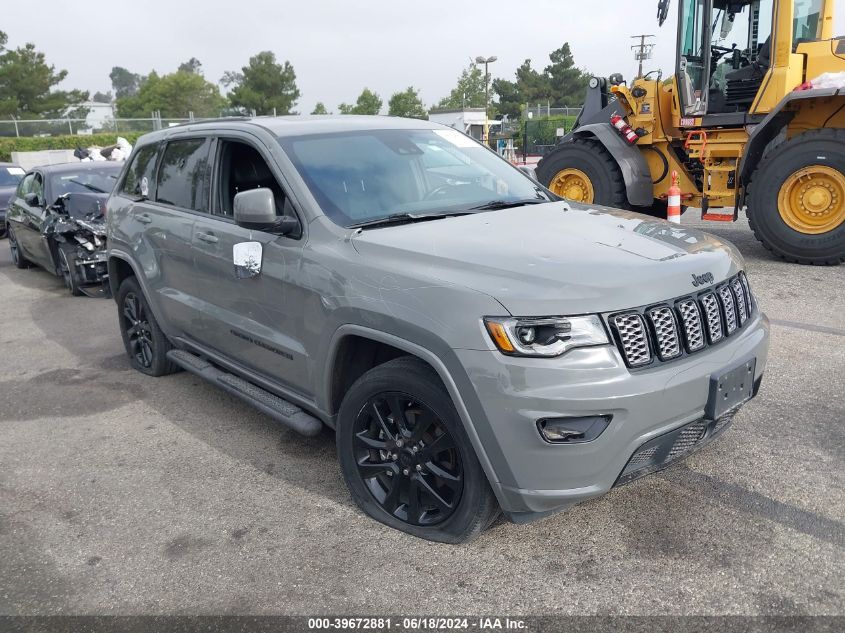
x,y
87,186
404,218
494,205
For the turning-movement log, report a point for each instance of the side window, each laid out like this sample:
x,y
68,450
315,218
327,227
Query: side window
x,y
38,187
243,168
139,176
26,185
183,175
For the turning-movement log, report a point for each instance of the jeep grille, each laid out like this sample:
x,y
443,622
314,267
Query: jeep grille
x,y
682,326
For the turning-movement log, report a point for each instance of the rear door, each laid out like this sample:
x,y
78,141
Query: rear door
x,y
165,220
256,321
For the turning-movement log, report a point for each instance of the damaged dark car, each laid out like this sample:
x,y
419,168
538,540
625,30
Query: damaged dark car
x,y
10,178
56,221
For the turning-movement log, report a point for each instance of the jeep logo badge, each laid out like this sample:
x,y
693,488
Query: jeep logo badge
x,y
702,280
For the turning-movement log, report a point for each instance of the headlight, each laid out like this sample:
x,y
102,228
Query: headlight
x,y
545,337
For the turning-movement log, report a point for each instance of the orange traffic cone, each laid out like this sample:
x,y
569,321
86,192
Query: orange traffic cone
x,y
673,208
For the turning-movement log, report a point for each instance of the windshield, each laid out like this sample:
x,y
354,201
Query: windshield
x,y
10,176
100,180
806,23
363,176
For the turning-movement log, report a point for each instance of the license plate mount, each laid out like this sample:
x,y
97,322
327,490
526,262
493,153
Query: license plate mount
x,y
730,389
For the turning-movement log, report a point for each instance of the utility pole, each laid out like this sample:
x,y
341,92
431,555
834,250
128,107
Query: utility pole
x,y
642,51
486,61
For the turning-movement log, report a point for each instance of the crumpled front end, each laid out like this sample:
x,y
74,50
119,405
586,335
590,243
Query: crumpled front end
x,y
77,226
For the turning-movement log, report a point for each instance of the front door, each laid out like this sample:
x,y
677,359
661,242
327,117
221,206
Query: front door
x,y
27,221
254,318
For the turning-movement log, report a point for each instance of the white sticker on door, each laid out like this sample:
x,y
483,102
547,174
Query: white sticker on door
x,y
247,259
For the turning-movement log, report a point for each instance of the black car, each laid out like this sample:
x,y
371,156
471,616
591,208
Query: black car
x,y
10,176
56,220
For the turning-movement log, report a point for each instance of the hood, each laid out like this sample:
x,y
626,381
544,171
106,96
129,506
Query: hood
x,y
6,194
556,258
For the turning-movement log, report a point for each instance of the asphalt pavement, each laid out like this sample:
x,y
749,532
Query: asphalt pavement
x,y
123,494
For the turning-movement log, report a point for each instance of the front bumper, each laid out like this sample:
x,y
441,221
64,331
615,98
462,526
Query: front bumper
x,y
534,478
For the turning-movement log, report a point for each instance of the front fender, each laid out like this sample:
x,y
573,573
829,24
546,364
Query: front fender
x,y
635,171
456,380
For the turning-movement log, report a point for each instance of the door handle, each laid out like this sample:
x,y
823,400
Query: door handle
x,y
143,218
209,238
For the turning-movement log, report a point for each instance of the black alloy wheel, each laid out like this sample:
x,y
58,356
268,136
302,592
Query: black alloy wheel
x,y
18,258
68,274
407,459
145,343
138,330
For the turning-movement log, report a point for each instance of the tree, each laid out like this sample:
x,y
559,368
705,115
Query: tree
x,y
568,84
510,100
174,95
263,86
560,84
368,102
102,97
27,85
320,108
193,66
533,86
408,104
469,92
124,83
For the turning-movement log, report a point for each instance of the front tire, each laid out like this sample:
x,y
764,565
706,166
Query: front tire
x,y
145,343
584,171
69,273
796,199
406,458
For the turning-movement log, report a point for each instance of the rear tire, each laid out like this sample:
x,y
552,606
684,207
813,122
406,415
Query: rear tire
x,y
561,172
18,258
145,343
392,472
798,174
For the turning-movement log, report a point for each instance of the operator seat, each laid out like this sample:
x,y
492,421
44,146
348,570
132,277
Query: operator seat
x,y
743,83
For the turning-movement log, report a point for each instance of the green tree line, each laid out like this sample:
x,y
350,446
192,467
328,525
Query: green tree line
x,y
264,86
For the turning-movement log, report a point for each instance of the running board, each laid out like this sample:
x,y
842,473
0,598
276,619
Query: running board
x,y
270,404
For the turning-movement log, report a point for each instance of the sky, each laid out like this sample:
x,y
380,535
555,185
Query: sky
x,y
337,48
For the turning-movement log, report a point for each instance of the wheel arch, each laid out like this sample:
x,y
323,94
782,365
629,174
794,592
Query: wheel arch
x,y
631,162
409,348
766,133
120,267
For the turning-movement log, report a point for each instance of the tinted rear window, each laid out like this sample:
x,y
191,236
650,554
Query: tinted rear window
x,y
183,175
139,176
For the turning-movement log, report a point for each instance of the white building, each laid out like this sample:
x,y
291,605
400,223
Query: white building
x,y
470,121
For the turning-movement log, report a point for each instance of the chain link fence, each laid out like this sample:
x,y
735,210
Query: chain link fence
x,y
13,127
541,135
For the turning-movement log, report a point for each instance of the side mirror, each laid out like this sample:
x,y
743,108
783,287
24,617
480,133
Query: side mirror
x,y
530,172
256,209
32,200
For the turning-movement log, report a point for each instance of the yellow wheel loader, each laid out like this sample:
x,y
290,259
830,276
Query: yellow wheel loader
x,y
749,120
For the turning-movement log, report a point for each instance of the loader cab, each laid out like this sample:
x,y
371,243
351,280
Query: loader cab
x,y
724,53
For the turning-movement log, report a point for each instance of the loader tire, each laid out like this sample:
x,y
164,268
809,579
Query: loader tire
x,y
584,171
796,199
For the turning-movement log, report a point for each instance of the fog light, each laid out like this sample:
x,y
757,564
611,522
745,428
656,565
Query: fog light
x,y
573,430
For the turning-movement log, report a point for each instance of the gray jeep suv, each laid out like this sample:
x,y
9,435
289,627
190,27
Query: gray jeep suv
x,y
477,344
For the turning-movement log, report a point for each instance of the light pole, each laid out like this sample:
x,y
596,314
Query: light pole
x,y
486,61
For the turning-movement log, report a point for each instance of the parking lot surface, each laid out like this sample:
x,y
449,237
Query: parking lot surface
x,y
123,494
